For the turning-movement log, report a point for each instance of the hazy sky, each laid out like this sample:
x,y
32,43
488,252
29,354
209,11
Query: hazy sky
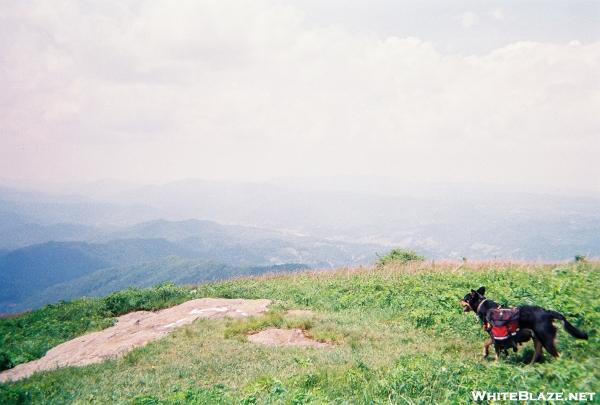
x,y
479,91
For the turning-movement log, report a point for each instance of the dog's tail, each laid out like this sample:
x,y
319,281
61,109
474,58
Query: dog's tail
x,y
573,331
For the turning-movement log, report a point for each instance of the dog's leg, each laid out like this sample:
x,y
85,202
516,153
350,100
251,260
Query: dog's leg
x,y
538,350
551,347
497,350
486,347
546,336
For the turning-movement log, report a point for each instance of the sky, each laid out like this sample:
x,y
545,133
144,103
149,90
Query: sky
x,y
499,92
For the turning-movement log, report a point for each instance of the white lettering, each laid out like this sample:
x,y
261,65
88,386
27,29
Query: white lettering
x,y
478,395
530,396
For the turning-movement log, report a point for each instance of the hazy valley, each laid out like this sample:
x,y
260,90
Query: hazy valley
x,y
62,245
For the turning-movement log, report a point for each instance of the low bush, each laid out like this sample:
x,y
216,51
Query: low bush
x,y
145,299
5,361
399,256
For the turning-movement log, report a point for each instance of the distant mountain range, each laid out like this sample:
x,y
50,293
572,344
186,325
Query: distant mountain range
x,y
56,246
158,251
27,271
169,269
441,220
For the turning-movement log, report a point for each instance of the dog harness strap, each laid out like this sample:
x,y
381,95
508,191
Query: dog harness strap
x,y
477,310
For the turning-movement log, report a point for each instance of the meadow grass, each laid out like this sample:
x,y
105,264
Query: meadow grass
x,y
397,335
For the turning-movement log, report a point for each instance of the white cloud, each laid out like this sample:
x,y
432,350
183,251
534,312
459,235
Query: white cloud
x,y
153,90
498,14
468,19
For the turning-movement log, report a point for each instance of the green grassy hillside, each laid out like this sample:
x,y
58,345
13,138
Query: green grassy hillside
x,y
398,335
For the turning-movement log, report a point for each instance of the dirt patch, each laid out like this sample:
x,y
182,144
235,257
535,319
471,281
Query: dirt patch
x,y
133,330
284,337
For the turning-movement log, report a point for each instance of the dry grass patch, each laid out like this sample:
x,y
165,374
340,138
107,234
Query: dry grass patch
x,y
284,337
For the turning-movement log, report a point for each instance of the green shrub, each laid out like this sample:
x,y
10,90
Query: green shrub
x,y
5,361
147,299
399,256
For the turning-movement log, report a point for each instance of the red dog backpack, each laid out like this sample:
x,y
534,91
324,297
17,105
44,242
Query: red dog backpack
x,y
504,322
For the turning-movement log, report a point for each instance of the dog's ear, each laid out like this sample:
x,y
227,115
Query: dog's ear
x,y
481,291
473,292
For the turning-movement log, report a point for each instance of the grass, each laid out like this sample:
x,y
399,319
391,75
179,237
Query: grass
x,y
397,334
239,328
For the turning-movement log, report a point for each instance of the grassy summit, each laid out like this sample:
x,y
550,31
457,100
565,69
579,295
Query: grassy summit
x,y
398,336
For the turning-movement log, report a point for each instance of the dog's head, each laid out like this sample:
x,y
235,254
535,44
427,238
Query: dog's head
x,y
471,301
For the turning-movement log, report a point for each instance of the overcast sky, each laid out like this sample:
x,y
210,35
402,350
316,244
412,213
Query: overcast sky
x,y
477,91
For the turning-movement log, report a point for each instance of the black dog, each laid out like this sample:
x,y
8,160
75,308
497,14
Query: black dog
x,y
535,323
